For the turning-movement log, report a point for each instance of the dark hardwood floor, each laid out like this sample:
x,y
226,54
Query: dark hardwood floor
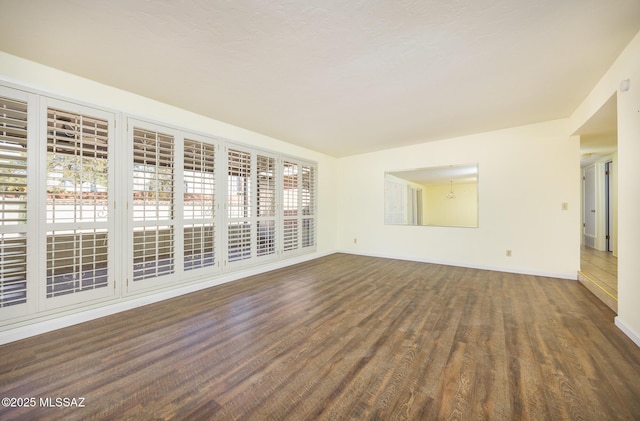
x,y
340,337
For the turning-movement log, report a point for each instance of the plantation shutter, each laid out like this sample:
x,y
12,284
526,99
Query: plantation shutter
x,y
78,214
291,211
266,206
299,206
239,209
308,206
153,204
199,205
13,202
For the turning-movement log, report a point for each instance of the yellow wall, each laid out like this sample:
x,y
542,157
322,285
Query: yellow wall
x,y
459,212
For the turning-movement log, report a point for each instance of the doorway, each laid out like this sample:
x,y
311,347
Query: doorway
x,y
598,255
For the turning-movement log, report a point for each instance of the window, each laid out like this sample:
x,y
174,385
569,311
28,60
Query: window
x,y
78,215
252,217
77,203
199,205
308,206
153,204
291,213
299,205
239,196
266,206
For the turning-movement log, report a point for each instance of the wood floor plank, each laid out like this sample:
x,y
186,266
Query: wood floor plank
x,y
341,337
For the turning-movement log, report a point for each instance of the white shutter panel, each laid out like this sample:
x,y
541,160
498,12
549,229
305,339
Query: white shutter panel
x,y
299,206
199,206
78,215
290,208
266,206
13,202
239,209
308,206
153,204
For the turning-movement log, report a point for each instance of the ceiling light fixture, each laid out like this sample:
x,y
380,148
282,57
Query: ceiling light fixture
x,y
451,194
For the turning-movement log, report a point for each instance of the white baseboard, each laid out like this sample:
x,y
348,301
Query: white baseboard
x,y
561,275
627,331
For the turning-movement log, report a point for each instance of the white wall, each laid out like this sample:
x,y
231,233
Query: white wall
x,y
525,174
627,66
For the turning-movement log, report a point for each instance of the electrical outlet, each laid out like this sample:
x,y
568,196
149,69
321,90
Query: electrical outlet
x,y
508,253
355,241
565,206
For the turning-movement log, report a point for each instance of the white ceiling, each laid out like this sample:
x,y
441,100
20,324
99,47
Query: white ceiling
x,y
337,76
